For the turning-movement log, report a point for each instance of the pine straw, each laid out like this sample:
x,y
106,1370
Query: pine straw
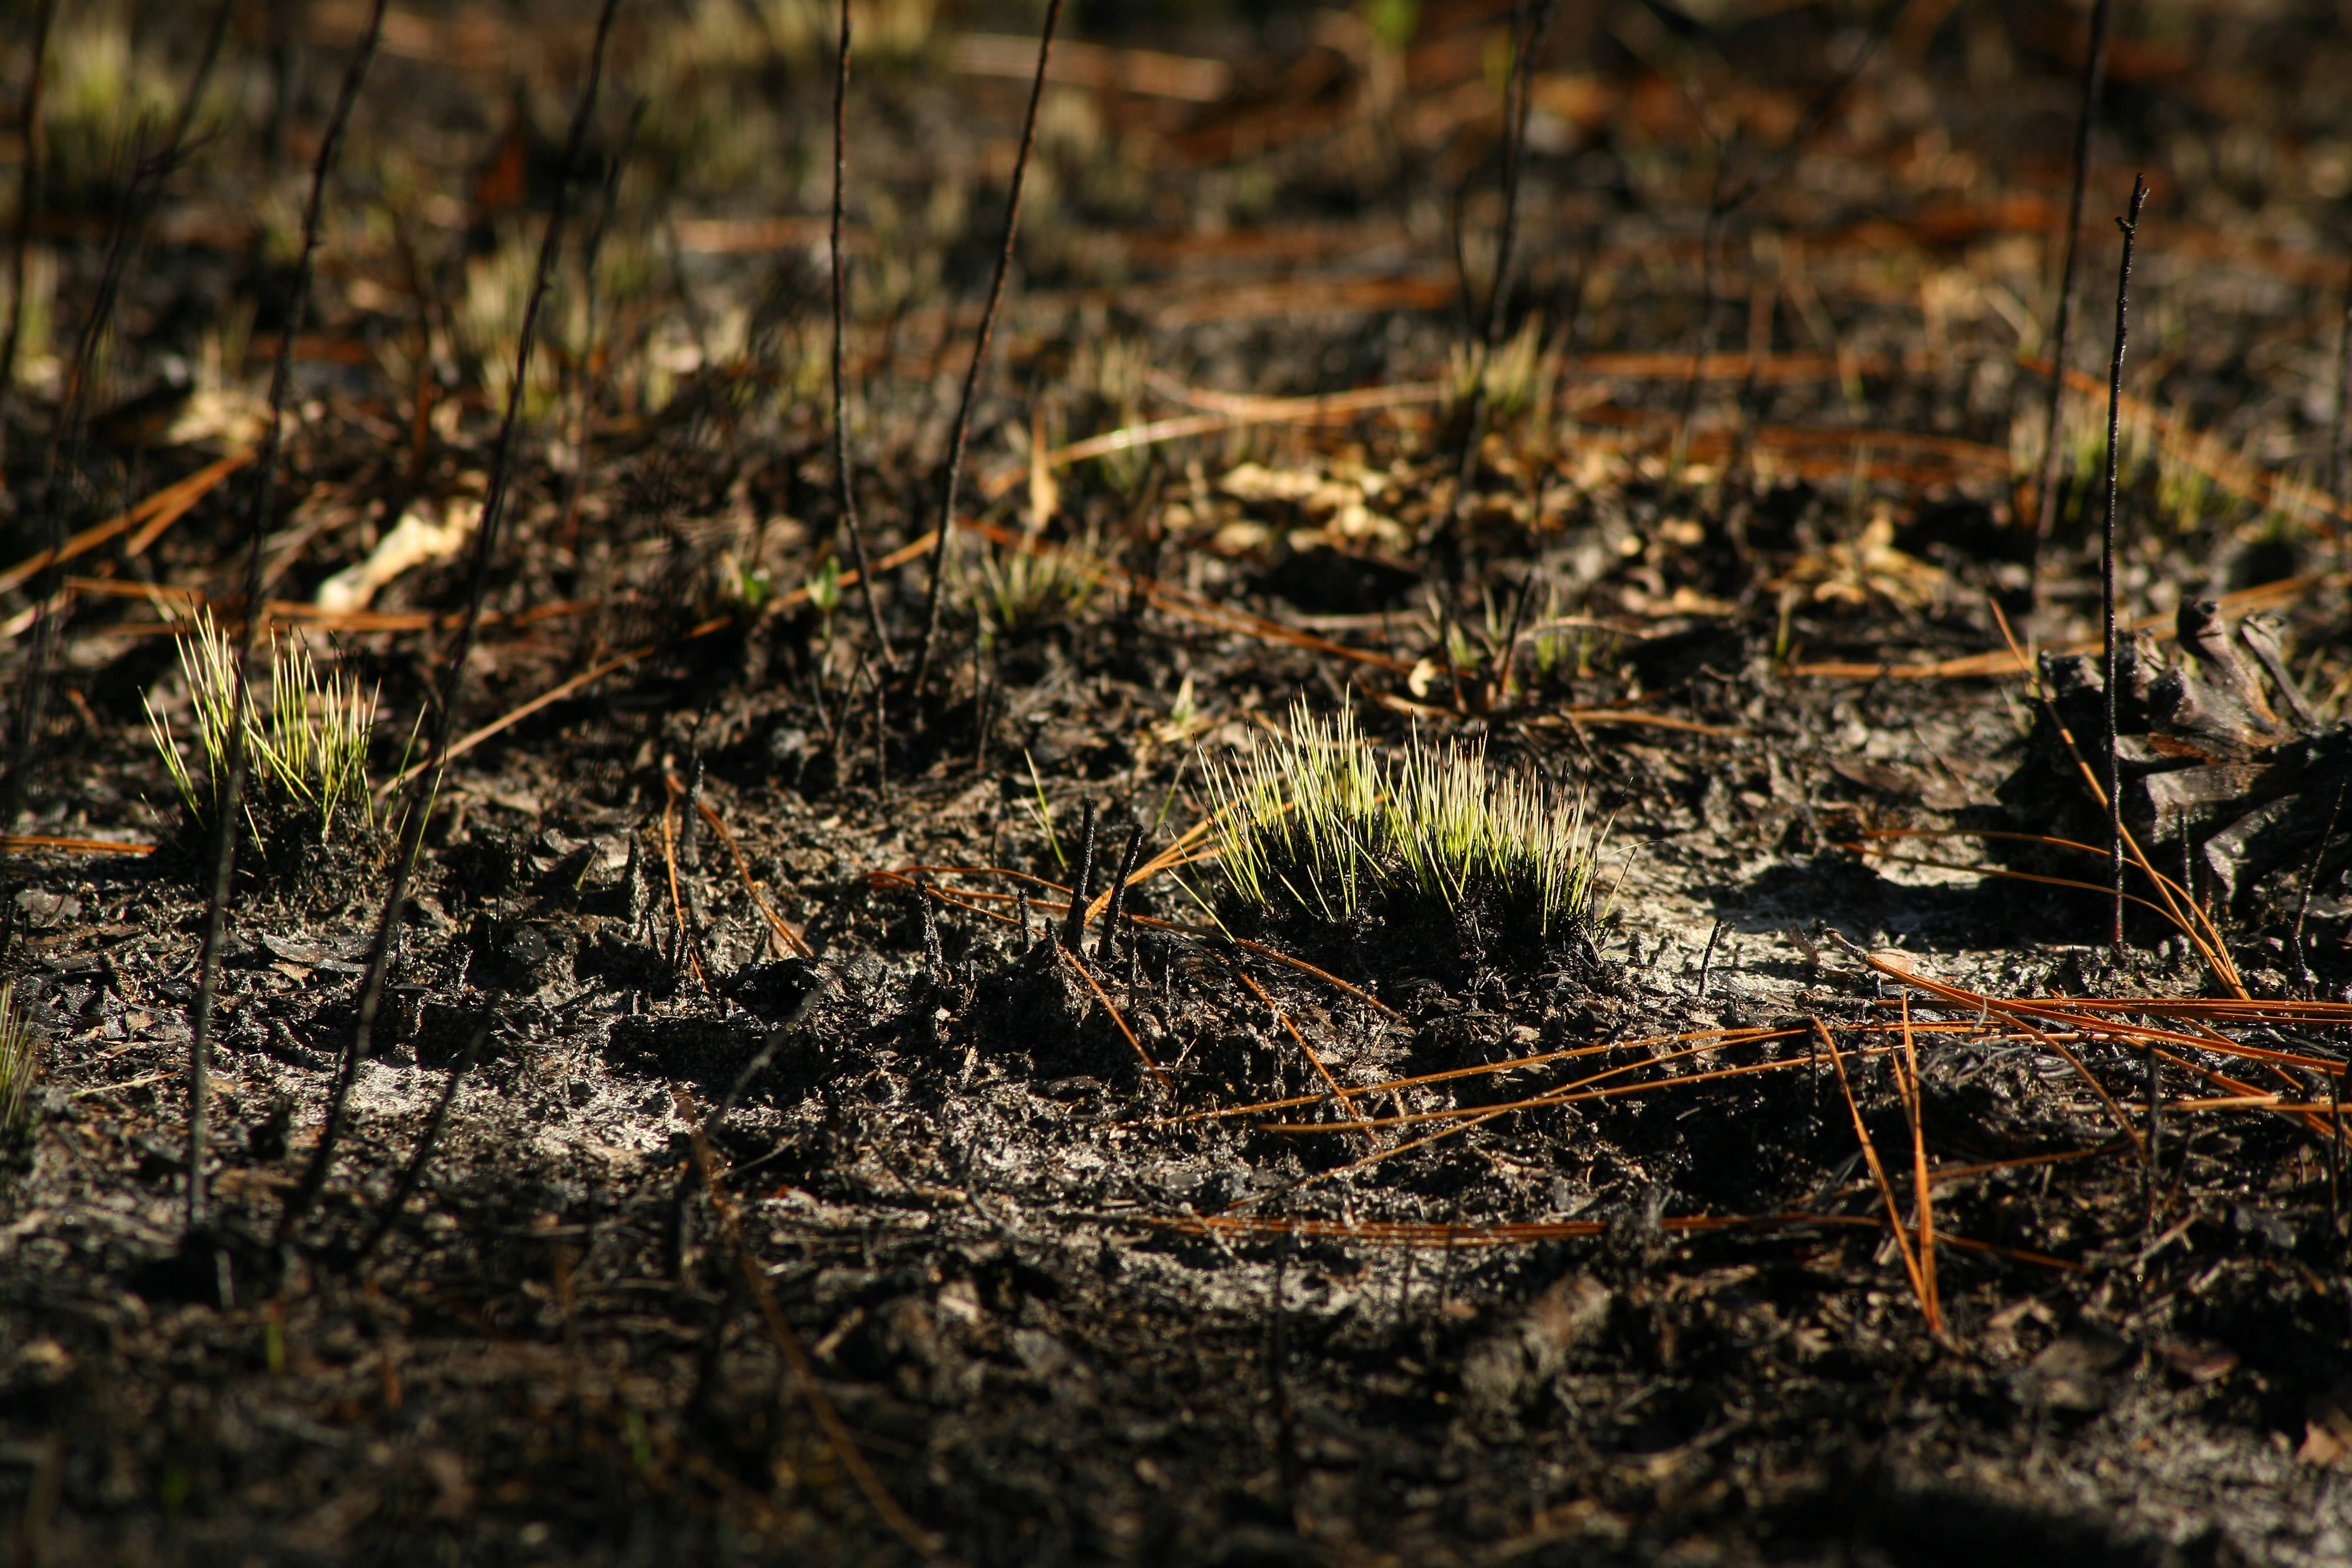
x,y
1678,1062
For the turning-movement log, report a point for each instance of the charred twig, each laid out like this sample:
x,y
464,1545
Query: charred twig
x,y
963,428
1877,1172
61,454
1527,37
881,739
1706,959
845,498
1074,925
934,956
2260,633
687,933
2130,226
568,532
453,676
2339,437
264,500
28,191
1119,895
1727,199
2087,118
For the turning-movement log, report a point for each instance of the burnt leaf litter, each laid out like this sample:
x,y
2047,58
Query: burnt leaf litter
x,y
763,1156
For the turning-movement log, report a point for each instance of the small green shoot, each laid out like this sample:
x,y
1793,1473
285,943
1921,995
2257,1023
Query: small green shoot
x,y
306,746
824,586
1044,810
1025,586
19,1063
1317,815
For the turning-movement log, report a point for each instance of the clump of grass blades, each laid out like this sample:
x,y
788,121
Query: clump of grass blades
x,y
1315,818
306,752
1023,588
18,1063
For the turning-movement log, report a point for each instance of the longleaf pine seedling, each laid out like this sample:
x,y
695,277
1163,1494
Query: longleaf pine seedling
x,y
1318,823
1022,590
305,748
18,1062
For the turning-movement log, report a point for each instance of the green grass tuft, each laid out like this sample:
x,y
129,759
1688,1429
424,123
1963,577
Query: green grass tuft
x,y
1314,818
305,748
19,1063
1021,590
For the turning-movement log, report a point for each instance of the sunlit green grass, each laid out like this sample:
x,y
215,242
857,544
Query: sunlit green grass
x,y
1316,818
305,748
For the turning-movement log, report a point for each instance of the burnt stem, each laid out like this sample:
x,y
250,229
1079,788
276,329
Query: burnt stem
x,y
583,399
264,502
2339,438
1074,925
2094,70
1706,959
2130,227
934,955
844,489
1528,36
1103,943
2303,975
61,455
28,191
962,429
453,675
1727,198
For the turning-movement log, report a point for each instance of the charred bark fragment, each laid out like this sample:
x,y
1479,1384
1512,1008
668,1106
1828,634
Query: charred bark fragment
x,y
2206,757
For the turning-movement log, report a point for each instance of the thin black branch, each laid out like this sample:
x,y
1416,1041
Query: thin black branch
x,y
1074,923
963,431
61,456
2130,226
845,483
28,191
2086,125
263,501
428,782
1527,37
583,399
1727,198
1127,864
2339,437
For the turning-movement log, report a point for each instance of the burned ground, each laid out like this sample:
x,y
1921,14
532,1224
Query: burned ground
x,y
797,1165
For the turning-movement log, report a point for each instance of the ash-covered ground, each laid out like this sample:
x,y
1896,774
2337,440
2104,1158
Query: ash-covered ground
x,y
791,1186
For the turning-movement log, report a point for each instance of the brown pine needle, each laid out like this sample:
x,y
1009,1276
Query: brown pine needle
x,y
1921,1182
1877,1170
158,511
1103,996
669,864
791,938
1347,1105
